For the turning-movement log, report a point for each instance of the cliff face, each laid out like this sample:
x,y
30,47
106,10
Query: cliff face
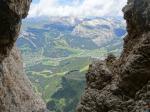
x,y
123,85
16,94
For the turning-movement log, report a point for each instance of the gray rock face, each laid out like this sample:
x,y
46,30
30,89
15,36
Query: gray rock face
x,y
123,85
11,12
16,94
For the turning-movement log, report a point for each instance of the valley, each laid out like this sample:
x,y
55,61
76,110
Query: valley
x,y
58,51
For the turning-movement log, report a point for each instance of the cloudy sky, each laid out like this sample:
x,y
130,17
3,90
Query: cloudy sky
x,y
76,8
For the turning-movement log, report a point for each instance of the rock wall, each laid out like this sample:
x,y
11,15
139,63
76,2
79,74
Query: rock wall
x,y
16,94
123,85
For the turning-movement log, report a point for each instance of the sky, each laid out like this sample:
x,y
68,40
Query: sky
x,y
76,8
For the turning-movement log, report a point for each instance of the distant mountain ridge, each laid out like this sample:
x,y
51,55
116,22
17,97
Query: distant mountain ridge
x,y
58,51
99,31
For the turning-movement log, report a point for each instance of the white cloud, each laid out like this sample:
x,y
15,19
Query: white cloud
x,y
86,8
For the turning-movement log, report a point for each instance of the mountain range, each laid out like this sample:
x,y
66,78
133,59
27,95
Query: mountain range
x,y
58,50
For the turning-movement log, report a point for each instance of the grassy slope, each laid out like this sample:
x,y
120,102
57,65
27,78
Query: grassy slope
x,y
57,79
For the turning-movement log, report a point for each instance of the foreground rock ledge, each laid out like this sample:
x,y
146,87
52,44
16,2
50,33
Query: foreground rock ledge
x,y
16,94
123,85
